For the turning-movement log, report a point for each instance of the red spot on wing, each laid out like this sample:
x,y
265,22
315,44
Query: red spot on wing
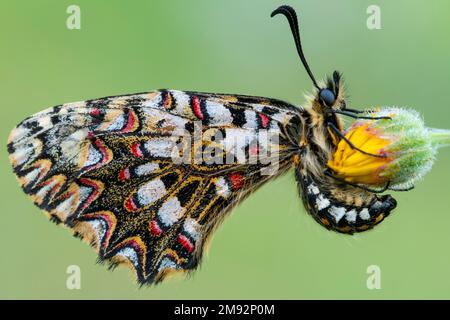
x,y
264,120
55,188
167,103
131,121
237,180
106,156
196,107
130,205
136,150
185,243
134,243
111,224
95,112
124,174
100,147
95,191
155,229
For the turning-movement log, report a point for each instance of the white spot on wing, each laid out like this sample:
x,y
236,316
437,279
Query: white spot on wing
x,y
118,123
151,191
182,102
32,175
26,153
152,103
22,154
166,263
146,168
18,134
160,147
94,156
170,211
237,138
218,114
282,117
250,117
130,254
66,208
78,135
72,105
44,122
191,227
45,189
222,187
170,120
65,109
99,228
70,146
70,205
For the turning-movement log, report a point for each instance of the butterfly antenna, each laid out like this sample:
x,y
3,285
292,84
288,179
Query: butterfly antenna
x,y
291,16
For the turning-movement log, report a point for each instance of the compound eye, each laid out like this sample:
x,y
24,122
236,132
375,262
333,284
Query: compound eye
x,y
327,96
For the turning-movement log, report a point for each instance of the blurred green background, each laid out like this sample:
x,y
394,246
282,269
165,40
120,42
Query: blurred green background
x,y
269,247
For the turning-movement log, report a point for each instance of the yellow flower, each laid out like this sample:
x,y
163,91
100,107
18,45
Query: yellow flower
x,y
357,167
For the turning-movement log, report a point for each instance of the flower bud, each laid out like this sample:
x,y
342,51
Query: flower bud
x,y
401,149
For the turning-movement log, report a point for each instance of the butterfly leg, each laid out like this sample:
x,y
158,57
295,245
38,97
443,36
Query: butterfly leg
x,y
353,110
344,108
342,136
354,116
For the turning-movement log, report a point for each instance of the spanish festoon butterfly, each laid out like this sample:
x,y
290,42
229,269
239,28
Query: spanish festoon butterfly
x,y
105,169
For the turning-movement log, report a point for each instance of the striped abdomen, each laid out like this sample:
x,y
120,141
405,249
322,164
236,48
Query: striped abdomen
x,y
342,208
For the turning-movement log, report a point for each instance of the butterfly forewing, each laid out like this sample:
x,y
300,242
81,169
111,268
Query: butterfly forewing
x,y
106,169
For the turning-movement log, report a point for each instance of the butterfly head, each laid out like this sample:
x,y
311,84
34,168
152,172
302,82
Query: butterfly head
x,y
330,96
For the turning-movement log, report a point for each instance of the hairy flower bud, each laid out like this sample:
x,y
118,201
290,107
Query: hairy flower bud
x,y
401,149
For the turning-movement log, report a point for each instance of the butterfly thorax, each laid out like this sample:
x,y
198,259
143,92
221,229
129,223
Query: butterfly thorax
x,y
316,141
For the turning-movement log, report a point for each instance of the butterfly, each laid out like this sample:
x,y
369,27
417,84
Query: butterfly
x,y
105,168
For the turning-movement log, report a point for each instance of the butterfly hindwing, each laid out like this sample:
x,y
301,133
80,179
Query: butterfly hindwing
x,y
105,168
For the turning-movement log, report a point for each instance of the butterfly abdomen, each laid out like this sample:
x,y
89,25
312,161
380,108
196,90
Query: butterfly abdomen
x,y
347,212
